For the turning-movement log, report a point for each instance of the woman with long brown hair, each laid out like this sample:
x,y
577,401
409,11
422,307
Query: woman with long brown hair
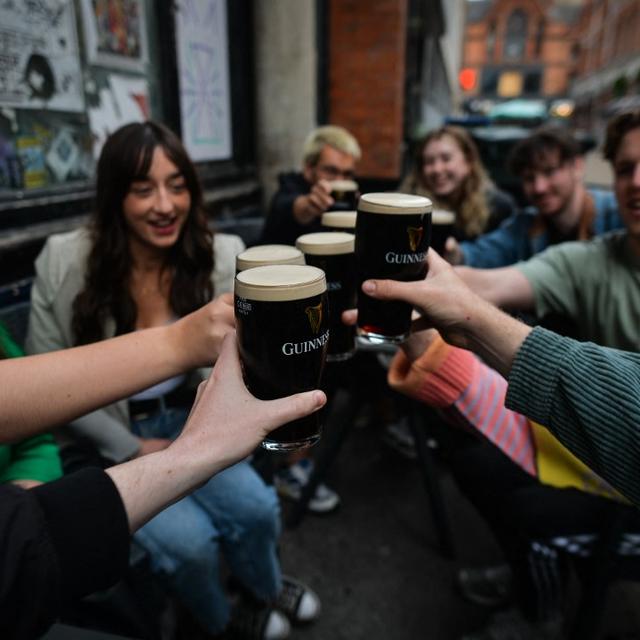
x,y
448,170
146,259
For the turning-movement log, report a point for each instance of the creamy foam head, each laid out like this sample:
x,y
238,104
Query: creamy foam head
x,y
326,243
394,203
442,216
279,283
344,185
265,254
340,219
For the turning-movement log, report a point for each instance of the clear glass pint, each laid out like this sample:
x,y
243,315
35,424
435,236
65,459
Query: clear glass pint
x,y
333,252
282,325
393,231
265,254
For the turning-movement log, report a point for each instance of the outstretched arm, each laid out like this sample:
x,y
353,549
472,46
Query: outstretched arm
x,y
225,425
507,288
588,396
40,392
71,536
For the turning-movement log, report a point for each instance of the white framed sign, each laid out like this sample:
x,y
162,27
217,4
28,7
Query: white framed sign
x,y
203,78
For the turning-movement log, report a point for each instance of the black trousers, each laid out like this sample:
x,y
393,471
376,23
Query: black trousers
x,y
538,526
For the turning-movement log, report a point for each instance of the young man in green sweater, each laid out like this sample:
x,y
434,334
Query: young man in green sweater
x,y
598,285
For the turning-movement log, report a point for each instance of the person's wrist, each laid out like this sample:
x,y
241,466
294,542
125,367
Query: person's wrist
x,y
195,463
180,347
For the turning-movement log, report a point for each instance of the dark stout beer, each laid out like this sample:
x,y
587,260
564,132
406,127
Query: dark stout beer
x,y
333,253
393,232
442,223
339,221
282,323
265,254
345,195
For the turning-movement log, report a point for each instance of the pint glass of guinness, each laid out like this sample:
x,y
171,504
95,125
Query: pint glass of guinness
x,y
393,231
345,194
282,324
442,223
339,221
333,253
265,254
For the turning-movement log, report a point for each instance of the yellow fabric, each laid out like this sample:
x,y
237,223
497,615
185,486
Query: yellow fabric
x,y
558,467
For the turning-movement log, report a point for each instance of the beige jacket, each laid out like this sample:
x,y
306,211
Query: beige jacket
x,y
60,271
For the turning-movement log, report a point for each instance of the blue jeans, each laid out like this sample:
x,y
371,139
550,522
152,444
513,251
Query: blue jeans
x,y
235,512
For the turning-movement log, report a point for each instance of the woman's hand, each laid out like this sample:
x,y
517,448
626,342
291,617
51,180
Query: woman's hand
x,y
198,337
227,423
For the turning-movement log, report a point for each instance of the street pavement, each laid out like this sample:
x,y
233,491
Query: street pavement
x,y
376,564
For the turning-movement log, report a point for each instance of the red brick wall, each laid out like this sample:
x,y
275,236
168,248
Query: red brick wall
x,y
366,79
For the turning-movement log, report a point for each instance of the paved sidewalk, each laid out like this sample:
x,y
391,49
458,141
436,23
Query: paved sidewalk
x,y
375,562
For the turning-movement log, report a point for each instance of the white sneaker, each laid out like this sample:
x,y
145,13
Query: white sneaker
x,y
290,481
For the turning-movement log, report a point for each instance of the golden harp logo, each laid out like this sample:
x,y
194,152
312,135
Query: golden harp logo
x,y
315,317
415,237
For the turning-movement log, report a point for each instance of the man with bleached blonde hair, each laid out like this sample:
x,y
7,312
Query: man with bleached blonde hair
x,y
329,153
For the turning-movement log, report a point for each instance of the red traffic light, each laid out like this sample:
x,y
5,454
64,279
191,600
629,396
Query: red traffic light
x,y
467,79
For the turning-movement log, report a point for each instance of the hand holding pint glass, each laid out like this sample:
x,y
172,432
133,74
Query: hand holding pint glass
x,y
393,232
282,324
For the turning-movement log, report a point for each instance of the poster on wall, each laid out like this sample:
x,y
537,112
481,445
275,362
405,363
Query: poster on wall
x,y
39,63
122,100
203,78
115,33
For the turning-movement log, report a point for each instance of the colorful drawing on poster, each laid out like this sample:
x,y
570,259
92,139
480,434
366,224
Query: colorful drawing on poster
x,y
203,72
40,64
123,100
115,33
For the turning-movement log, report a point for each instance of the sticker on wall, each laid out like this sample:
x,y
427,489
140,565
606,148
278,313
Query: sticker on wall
x,y
203,77
40,65
121,101
63,154
34,170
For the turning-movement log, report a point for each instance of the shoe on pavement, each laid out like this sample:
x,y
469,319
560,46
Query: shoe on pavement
x,y
486,586
298,601
290,481
398,436
257,623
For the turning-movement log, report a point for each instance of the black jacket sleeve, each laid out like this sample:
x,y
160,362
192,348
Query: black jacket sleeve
x,y
58,542
280,226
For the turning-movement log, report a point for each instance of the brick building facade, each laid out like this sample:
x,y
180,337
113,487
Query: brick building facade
x,y
516,48
607,70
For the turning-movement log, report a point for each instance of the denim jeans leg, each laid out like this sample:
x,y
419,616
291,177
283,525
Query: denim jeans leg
x,y
183,545
247,515
164,424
